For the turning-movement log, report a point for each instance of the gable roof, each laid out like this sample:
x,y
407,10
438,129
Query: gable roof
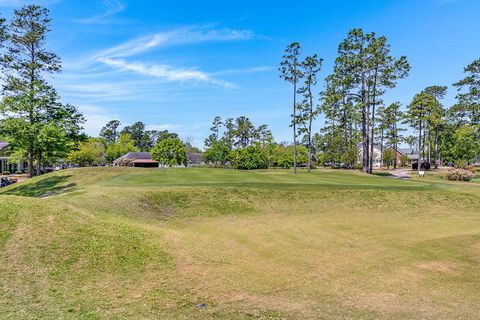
x,y
135,156
408,151
194,157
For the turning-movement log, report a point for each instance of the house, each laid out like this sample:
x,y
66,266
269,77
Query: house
x,y
136,159
194,159
377,154
412,155
5,164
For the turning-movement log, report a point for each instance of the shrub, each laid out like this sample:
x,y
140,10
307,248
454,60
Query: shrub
x,y
6,173
18,172
460,163
403,160
170,152
218,153
389,157
248,158
283,156
471,168
459,175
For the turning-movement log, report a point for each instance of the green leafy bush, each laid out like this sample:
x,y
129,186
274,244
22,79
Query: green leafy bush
x,y
218,154
248,158
283,156
459,175
170,152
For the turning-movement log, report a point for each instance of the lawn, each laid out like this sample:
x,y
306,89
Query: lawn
x,y
119,243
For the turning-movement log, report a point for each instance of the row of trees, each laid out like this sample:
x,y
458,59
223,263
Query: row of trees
x,y
357,116
40,128
239,144
43,130
363,70
113,142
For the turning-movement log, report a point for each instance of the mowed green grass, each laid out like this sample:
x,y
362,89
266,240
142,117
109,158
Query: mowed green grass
x,y
119,243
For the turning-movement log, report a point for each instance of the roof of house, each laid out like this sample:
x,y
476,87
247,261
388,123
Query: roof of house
x,y
408,151
194,157
3,145
134,156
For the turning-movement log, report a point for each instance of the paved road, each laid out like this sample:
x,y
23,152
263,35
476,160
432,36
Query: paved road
x,y
400,173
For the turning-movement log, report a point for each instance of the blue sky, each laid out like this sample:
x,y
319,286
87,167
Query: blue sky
x,y
176,64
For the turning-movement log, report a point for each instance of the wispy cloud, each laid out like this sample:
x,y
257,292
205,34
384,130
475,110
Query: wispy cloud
x,y
166,72
181,36
116,57
161,127
112,7
137,73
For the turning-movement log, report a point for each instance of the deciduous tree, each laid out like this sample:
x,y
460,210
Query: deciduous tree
x,y
170,152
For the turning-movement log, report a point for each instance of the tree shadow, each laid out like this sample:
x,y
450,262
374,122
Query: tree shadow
x,y
43,188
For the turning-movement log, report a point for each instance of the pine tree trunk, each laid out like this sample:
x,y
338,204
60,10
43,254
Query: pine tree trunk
x,y
381,149
30,163
310,119
372,129
364,142
395,139
419,148
294,126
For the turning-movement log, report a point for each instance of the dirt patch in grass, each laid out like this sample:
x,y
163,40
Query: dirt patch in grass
x,y
438,266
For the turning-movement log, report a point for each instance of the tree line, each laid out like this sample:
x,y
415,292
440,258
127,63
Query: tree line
x,y
356,116
43,130
114,142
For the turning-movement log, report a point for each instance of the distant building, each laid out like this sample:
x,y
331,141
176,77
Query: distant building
x,y
5,164
410,153
194,159
136,159
377,154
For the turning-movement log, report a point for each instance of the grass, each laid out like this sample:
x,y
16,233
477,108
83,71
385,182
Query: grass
x,y
116,243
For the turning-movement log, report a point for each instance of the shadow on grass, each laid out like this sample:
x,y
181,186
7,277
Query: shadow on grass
x,y
44,188
382,174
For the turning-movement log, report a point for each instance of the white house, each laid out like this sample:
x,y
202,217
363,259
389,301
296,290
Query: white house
x,y
377,154
5,164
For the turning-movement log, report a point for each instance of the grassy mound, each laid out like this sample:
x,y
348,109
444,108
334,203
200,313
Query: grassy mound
x,y
211,243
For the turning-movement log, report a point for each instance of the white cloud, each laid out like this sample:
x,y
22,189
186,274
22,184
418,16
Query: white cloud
x,y
116,57
180,36
112,7
166,72
161,127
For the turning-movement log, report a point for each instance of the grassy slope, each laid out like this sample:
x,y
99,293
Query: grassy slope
x,y
119,243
